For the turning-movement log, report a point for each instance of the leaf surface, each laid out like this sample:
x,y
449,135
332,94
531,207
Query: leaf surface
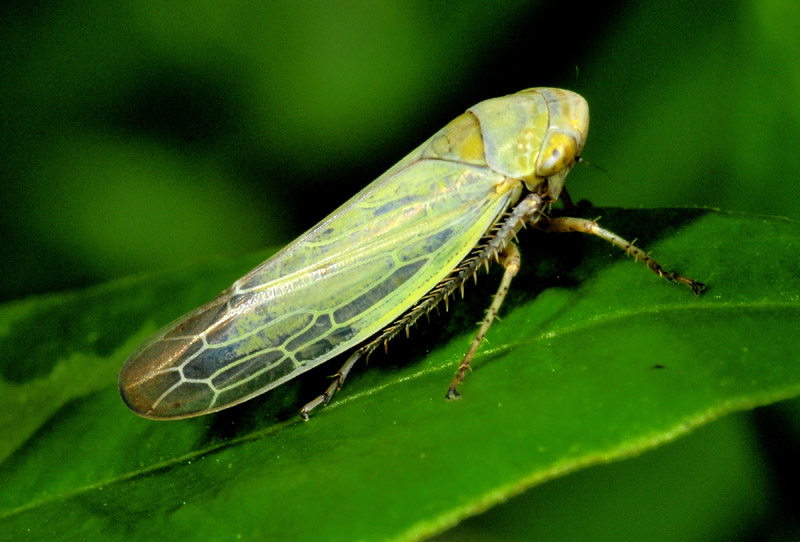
x,y
594,359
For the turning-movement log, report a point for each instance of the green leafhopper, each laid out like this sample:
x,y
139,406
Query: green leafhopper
x,y
389,255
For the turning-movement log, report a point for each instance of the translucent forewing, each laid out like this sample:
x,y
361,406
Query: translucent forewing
x,y
356,271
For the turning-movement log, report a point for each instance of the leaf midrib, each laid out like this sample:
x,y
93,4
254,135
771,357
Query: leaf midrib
x,y
625,449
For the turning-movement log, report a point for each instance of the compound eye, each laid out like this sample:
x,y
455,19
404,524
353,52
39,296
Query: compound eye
x,y
558,152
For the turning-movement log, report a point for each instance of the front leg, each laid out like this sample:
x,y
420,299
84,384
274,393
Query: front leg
x,y
570,224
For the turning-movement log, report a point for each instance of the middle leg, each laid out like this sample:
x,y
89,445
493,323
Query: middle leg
x,y
510,259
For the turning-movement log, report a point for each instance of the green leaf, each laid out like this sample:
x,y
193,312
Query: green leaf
x,y
594,359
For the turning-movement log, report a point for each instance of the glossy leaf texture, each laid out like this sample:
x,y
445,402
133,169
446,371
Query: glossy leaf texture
x,y
595,359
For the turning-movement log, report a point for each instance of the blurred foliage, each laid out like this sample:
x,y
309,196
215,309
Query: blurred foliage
x,y
138,136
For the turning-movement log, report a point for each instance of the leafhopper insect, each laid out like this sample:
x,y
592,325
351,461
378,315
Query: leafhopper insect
x,y
389,255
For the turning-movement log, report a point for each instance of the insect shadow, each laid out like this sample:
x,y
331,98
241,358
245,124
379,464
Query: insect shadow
x,y
549,260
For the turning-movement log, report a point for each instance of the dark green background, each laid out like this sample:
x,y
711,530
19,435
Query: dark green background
x,y
138,138
135,138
